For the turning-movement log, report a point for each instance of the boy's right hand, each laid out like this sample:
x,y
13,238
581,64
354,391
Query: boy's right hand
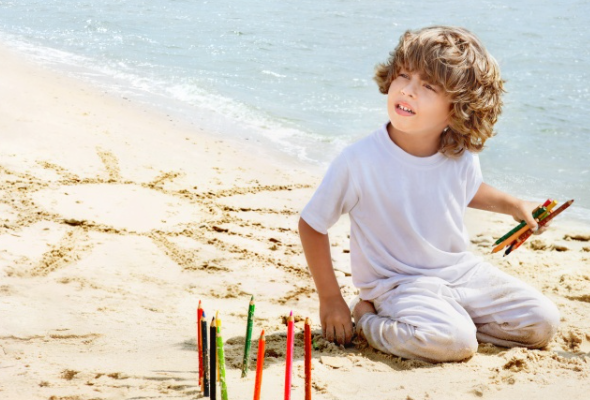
x,y
336,320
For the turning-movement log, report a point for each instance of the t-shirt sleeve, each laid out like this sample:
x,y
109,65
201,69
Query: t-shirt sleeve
x,y
335,196
474,177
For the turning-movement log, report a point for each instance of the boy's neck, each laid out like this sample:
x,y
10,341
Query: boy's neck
x,y
416,145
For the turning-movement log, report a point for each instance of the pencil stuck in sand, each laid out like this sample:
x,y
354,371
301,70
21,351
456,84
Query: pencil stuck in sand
x,y
289,356
200,344
205,356
213,360
221,358
259,366
307,348
248,342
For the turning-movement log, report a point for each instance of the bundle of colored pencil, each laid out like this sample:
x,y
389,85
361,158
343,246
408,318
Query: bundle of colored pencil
x,y
517,236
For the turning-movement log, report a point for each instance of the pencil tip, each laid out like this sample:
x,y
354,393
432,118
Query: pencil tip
x,y
204,316
291,314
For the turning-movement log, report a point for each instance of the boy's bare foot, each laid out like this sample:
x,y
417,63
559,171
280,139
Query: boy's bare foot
x,y
362,307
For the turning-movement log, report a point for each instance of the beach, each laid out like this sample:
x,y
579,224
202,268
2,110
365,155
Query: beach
x,y
116,219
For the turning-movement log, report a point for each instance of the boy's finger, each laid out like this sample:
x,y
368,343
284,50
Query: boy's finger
x,y
340,336
348,329
542,229
532,224
329,333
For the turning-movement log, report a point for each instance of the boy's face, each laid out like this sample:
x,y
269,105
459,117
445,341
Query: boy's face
x,y
416,106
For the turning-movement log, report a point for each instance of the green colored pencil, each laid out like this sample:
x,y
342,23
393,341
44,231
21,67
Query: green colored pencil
x,y
522,224
221,358
248,342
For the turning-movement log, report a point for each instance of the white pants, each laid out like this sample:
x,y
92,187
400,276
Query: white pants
x,y
432,320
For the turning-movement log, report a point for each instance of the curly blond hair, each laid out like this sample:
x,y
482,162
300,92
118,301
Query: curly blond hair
x,y
454,59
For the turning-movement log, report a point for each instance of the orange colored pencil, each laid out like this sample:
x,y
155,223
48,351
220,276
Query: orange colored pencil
x,y
200,344
289,356
307,347
259,366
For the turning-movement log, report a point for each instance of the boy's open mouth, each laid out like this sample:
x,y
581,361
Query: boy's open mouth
x,y
405,109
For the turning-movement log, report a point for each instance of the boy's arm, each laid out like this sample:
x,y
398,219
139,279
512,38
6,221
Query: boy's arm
x,y
334,313
489,198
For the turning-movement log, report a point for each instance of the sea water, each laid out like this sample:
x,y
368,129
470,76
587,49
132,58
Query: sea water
x,y
296,75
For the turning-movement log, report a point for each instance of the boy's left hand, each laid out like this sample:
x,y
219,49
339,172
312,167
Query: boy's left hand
x,y
524,211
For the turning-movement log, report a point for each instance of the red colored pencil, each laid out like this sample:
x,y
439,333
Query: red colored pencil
x,y
289,357
259,366
200,344
307,340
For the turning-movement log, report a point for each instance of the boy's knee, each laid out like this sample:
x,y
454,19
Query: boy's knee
x,y
546,321
463,346
458,344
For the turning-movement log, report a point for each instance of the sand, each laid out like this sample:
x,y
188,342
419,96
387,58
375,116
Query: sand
x,y
116,219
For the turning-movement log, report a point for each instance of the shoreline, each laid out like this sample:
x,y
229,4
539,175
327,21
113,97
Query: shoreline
x,y
116,221
242,135
190,117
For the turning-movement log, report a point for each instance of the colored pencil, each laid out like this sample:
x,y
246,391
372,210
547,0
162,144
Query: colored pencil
x,y
217,354
259,366
543,222
515,245
289,356
213,359
307,347
549,208
538,211
221,358
200,344
248,341
205,356
509,248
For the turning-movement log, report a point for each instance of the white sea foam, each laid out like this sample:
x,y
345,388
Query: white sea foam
x,y
274,74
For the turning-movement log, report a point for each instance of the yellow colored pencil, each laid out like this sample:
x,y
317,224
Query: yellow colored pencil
x,y
221,358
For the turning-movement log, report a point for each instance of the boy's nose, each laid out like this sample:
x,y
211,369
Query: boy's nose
x,y
408,90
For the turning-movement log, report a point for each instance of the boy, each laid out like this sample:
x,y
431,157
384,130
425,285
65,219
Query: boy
x,y
406,188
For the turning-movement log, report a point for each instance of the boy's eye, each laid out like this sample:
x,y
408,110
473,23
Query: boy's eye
x,y
405,76
429,87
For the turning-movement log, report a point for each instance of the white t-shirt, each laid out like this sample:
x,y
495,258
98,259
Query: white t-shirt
x,y
406,212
